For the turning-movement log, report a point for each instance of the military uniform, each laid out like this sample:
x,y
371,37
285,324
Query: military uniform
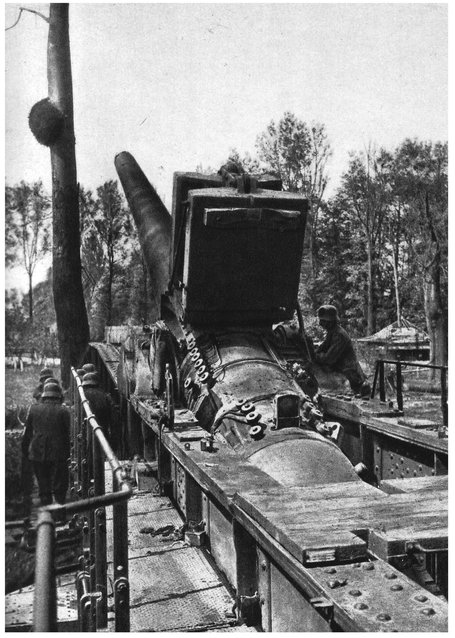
x,y
46,442
102,407
337,351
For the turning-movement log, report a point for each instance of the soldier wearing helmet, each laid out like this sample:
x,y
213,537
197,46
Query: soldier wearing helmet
x,y
88,367
100,404
337,351
46,443
45,373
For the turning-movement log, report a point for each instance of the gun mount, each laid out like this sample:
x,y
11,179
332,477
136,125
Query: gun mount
x,y
233,268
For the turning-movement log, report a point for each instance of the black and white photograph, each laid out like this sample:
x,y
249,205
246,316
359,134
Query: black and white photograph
x,y
226,271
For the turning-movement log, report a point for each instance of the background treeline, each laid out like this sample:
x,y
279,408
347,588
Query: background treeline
x,y
377,249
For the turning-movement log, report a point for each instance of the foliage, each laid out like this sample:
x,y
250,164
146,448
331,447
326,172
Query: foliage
x,y
379,250
27,236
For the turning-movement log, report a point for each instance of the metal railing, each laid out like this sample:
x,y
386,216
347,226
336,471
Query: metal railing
x,y
89,451
380,380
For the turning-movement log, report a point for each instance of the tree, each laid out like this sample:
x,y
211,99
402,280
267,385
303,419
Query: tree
x,y
106,249
365,194
298,153
422,183
15,322
51,121
27,220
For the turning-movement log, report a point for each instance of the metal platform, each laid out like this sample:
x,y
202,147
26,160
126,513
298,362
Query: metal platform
x,y
19,607
173,586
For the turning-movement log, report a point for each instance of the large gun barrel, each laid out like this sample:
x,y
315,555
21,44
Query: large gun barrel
x,y
153,223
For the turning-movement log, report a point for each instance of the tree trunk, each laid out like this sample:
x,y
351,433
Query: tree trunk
x,y
395,281
30,298
72,323
109,286
370,289
436,316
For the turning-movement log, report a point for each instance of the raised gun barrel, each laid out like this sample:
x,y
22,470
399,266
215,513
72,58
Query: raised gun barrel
x,y
153,221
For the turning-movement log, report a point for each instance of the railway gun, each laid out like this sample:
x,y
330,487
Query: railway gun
x,y
273,464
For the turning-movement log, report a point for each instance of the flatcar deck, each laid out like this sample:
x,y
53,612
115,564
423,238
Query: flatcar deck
x,y
327,552
344,526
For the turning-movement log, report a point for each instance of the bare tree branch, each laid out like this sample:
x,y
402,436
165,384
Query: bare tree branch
x,y
30,11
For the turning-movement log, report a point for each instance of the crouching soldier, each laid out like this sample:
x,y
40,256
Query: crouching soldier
x,y
337,351
46,442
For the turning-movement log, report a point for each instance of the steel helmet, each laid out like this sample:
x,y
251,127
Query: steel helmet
x,y
328,313
89,367
90,380
52,391
50,380
45,375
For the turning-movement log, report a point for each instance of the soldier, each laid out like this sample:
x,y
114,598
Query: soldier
x,y
101,405
337,351
46,442
46,373
88,367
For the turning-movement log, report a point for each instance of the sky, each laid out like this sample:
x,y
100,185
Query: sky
x,y
179,85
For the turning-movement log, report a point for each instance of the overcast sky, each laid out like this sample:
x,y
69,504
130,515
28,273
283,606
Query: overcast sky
x,y
179,85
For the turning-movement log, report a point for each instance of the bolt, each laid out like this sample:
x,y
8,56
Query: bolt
x,y
421,598
356,565
368,566
263,565
330,570
428,611
378,449
396,587
383,617
390,576
337,583
355,592
360,606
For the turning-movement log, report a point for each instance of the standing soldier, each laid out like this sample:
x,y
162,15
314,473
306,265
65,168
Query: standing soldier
x,y
101,405
46,442
46,373
337,351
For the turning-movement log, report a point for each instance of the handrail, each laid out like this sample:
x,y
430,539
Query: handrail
x,y
92,448
379,378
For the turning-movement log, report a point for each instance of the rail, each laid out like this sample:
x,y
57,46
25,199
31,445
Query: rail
x,y
89,451
380,380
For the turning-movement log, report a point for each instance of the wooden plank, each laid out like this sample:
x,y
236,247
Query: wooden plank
x,y
338,523
293,506
314,582
395,542
416,484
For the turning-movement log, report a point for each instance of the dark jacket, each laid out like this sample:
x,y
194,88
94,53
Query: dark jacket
x,y
337,352
47,432
38,391
102,407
